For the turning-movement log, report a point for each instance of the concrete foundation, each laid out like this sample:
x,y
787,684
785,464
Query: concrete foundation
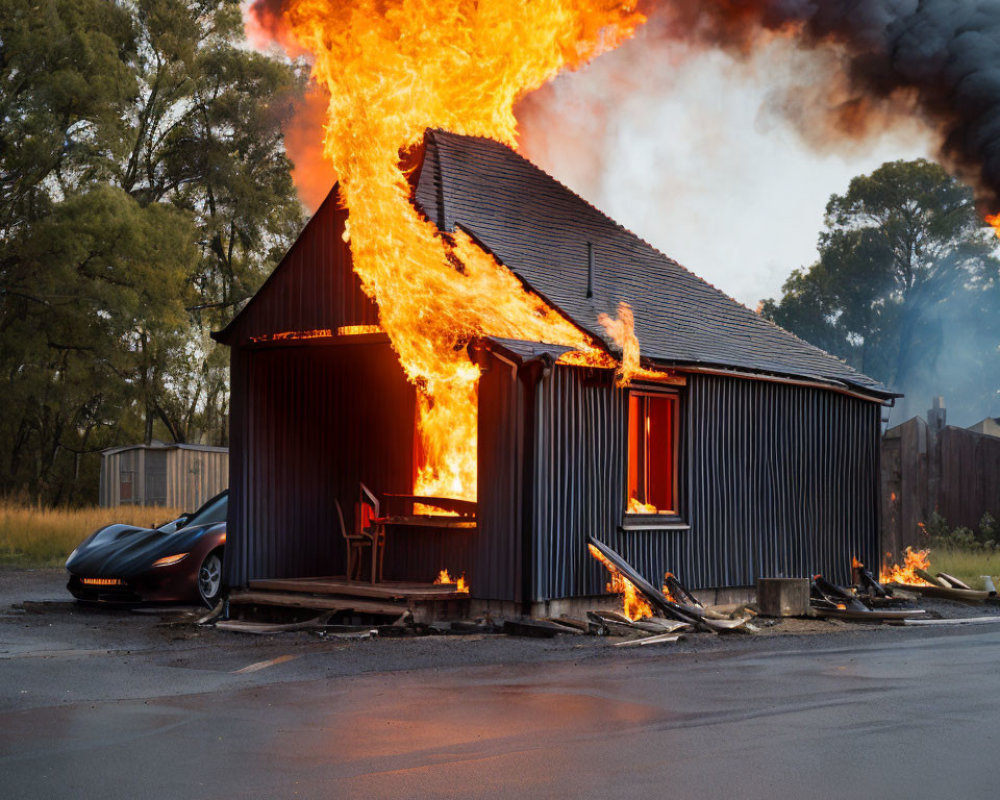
x,y
577,607
783,597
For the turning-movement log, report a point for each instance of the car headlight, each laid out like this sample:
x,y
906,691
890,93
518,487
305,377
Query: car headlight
x,y
70,556
167,561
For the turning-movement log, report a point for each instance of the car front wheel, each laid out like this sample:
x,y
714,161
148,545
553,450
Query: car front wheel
x,y
210,578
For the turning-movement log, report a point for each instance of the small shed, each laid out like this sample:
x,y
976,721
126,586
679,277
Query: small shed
x,y
159,474
760,456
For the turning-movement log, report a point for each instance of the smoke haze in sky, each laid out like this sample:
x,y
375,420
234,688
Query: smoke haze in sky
x,y
696,152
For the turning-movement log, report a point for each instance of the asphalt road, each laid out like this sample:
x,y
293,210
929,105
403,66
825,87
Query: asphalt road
x,y
105,705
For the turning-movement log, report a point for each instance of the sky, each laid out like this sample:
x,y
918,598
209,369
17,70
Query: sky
x,y
695,152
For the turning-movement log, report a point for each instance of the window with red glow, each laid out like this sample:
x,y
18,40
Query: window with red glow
x,y
652,454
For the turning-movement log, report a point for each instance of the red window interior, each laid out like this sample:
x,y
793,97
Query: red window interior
x,y
652,478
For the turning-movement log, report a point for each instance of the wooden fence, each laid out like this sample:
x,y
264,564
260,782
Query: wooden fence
x,y
953,471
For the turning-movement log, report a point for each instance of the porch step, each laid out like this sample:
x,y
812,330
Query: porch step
x,y
319,602
392,590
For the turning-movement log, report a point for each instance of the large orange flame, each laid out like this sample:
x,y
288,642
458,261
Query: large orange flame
x,y
633,606
392,69
912,559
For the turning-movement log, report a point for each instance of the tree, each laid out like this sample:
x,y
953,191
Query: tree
x,y
905,289
144,194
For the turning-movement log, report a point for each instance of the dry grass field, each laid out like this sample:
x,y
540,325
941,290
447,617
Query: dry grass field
x,y
43,537
967,565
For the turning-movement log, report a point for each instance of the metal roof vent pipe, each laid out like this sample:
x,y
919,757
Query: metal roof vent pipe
x,y
936,416
590,269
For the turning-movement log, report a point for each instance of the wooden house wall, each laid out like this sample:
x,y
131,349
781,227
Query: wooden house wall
x,y
313,288
781,481
307,424
496,572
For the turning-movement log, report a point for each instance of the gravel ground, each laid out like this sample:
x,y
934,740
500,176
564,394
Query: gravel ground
x,y
38,619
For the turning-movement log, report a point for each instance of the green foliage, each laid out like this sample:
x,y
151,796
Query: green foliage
x,y
906,288
144,194
961,538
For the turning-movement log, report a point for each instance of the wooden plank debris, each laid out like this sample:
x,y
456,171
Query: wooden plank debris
x,y
260,628
381,591
993,618
933,580
660,625
328,603
830,601
873,586
680,592
952,581
609,626
584,626
868,615
663,638
961,595
536,628
214,614
615,622
693,615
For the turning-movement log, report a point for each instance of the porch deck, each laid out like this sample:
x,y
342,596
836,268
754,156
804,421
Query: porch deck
x,y
386,590
389,598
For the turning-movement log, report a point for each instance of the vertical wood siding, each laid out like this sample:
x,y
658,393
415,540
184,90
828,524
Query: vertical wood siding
x,y
308,423
313,288
776,480
496,570
780,481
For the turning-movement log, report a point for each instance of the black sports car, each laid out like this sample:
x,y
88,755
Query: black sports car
x,y
175,563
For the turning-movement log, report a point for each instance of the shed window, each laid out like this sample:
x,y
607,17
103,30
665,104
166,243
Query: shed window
x,y
652,454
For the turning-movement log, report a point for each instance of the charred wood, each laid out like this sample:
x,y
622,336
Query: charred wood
x,y
679,591
650,592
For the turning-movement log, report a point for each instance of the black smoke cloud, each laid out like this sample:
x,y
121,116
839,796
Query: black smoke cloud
x,y
939,59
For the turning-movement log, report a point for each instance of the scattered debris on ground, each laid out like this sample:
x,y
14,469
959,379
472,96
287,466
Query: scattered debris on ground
x,y
652,616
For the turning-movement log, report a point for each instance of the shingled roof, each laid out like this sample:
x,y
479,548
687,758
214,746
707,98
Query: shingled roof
x,y
543,232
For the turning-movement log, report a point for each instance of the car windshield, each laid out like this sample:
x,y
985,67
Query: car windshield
x,y
213,511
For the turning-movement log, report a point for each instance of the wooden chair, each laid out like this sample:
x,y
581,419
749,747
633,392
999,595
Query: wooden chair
x,y
355,543
368,531
369,523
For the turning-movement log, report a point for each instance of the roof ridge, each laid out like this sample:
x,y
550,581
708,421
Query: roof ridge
x,y
755,316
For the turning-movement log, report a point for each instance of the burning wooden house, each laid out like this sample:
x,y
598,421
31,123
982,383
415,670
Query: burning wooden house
x,y
734,451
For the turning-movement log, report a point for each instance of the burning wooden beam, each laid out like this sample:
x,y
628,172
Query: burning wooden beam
x,y
698,618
